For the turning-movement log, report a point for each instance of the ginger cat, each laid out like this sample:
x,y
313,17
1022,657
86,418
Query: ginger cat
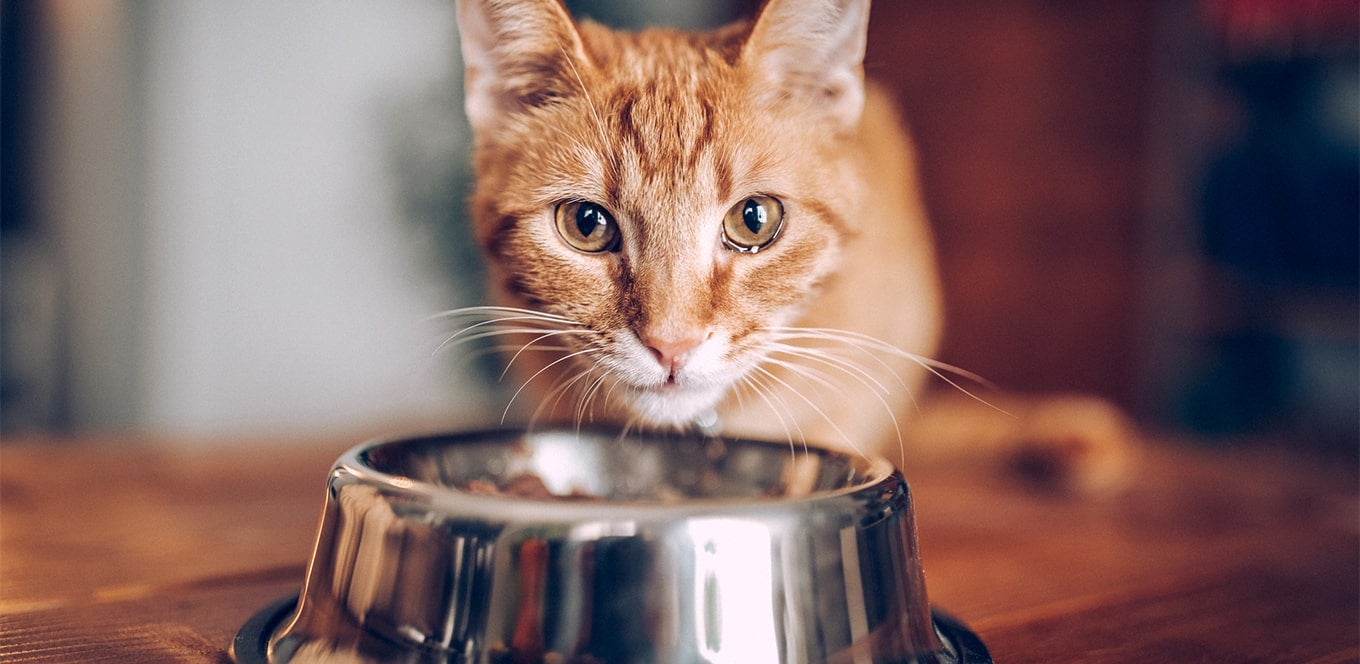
x,y
719,230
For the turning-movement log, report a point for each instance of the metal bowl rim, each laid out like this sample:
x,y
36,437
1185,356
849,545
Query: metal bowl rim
x,y
880,478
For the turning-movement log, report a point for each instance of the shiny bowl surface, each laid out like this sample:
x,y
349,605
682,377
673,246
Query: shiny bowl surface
x,y
566,546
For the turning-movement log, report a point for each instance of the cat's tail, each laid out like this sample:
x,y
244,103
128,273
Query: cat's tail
x,y
1070,443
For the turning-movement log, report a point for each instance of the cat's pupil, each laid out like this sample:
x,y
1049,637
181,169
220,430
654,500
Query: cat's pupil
x,y
754,215
589,219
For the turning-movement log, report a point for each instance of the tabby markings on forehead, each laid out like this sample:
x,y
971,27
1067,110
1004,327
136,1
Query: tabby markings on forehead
x,y
667,134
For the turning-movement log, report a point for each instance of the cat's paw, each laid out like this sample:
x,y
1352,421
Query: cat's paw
x,y
1072,443
1065,443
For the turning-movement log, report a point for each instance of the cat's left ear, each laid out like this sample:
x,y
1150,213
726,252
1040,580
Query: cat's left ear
x,y
812,50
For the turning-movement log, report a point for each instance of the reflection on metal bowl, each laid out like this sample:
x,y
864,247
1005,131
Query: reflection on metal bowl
x,y
565,546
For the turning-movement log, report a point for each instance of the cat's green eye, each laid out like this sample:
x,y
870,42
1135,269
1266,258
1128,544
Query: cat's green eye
x,y
753,224
587,227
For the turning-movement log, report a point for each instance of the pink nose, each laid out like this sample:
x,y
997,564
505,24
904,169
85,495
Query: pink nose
x,y
671,353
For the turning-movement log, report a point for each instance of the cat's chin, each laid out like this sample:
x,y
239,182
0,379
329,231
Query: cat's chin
x,y
672,406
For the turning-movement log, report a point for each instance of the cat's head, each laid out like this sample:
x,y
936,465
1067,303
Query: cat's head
x,y
676,195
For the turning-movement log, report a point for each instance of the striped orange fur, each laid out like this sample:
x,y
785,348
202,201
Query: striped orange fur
x,y
667,131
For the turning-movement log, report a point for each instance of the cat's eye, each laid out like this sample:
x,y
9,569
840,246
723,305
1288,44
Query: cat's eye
x,y
753,224
587,227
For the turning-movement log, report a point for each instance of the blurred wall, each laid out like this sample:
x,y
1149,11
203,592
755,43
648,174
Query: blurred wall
x,y
1154,202
213,190
1031,119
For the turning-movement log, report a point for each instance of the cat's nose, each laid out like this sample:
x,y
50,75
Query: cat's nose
x,y
671,353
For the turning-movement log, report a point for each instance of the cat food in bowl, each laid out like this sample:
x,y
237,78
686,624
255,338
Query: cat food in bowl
x,y
566,546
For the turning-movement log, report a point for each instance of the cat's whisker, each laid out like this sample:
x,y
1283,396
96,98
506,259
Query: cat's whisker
x,y
559,390
828,359
760,390
860,374
627,428
526,346
592,392
837,359
502,349
506,348
553,396
509,322
522,320
810,376
506,413
492,314
936,368
815,408
487,334
497,318
825,358
583,396
839,344
850,336
930,365
518,349
809,373
482,311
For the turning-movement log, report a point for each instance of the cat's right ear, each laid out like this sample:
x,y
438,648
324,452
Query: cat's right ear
x,y
518,54
812,50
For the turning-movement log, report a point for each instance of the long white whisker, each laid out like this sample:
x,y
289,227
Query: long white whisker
x,y
822,357
559,390
815,408
483,310
627,428
760,391
935,367
559,386
823,335
813,377
939,374
882,345
506,348
564,358
508,319
526,346
581,395
486,334
808,373
827,357
588,399
609,394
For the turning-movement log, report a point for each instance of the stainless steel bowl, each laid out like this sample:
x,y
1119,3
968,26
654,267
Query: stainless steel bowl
x,y
559,546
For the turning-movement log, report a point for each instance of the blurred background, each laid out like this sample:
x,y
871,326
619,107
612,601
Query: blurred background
x,y
236,217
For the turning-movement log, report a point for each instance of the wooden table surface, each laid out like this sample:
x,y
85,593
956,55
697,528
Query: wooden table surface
x,y
129,550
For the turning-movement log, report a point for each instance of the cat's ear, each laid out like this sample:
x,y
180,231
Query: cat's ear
x,y
812,50
517,54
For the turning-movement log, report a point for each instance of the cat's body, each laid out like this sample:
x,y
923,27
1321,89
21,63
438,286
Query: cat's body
x,y
690,210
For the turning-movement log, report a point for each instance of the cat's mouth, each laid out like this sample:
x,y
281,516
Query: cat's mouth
x,y
672,403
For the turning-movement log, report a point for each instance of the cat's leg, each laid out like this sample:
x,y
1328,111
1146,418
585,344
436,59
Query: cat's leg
x,y
1076,443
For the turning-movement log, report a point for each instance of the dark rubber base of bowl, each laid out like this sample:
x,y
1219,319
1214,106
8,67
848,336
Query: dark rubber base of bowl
x,y
251,644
